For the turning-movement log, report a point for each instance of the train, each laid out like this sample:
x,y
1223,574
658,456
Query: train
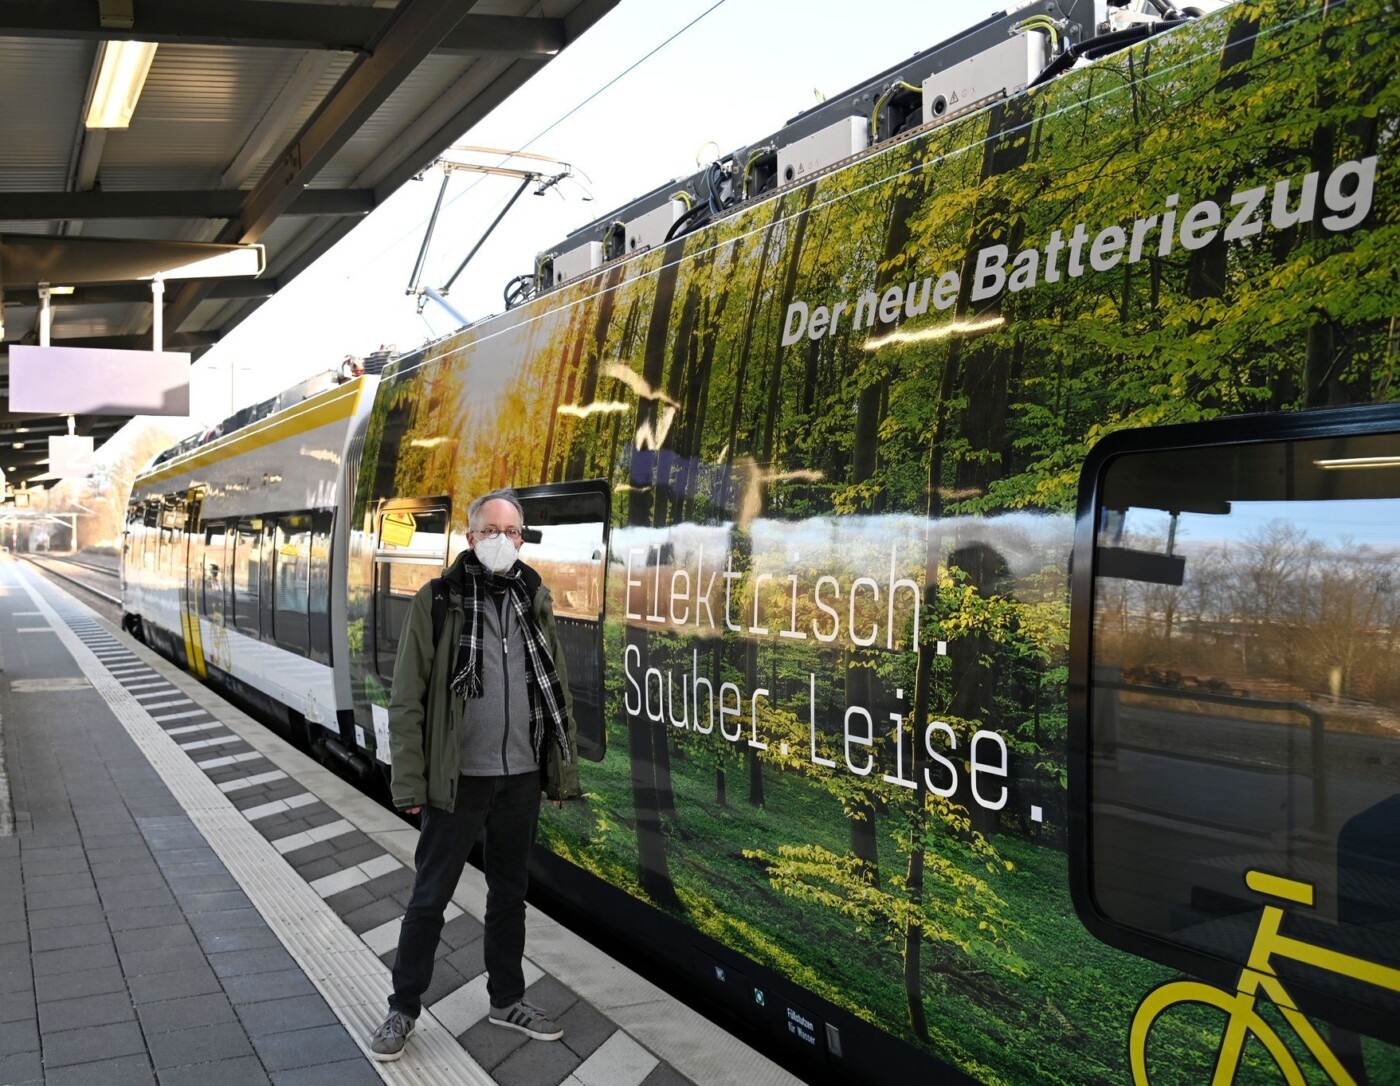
x,y
972,521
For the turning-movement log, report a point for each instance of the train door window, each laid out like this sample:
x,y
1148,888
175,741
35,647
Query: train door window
x,y
1235,628
319,602
411,551
247,574
571,520
212,589
150,528
291,580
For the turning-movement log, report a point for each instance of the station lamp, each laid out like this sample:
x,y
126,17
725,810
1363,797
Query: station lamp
x,y
122,67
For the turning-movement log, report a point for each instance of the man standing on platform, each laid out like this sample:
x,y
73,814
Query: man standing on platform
x,y
480,721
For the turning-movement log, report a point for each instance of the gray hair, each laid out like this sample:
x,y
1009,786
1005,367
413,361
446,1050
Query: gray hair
x,y
505,494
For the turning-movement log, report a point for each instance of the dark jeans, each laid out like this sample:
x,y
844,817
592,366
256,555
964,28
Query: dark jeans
x,y
508,809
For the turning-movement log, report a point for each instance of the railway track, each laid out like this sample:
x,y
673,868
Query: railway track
x,y
99,584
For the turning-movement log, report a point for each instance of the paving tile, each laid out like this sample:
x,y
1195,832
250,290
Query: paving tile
x,y
313,869
117,900
179,1014
20,1067
445,979
74,985
95,1010
221,901
256,987
490,1044
61,899
216,942
22,1036
620,1060
129,880
343,1073
160,938
205,882
76,935
666,1075
69,959
63,915
16,1005
238,963
226,920
200,1044
13,931
140,963
125,1071
536,1062
154,916
43,884
74,1046
349,901
162,986
305,1047
461,930
60,866
244,1071
585,1028
470,960
551,996
283,1015
372,915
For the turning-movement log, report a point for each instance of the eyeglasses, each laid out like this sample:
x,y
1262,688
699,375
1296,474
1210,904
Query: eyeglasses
x,y
513,534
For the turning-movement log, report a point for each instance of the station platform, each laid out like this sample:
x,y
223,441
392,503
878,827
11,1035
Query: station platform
x,y
186,900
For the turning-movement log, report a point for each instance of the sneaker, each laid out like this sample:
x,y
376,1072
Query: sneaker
x,y
529,1020
389,1039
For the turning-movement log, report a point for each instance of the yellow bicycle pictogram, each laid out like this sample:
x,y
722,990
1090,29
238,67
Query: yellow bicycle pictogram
x,y
1242,1019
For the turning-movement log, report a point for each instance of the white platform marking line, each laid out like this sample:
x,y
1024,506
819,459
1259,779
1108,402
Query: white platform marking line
x,y
229,759
147,686
313,836
239,783
350,877
189,729
165,692
166,704
158,717
348,975
205,744
277,806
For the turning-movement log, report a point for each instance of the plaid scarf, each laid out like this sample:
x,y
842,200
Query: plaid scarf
x,y
542,680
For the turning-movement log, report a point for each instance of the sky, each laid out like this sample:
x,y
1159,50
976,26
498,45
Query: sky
x,y
742,70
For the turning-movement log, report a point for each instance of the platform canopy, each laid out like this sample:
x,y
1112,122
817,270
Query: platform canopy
x,y
262,122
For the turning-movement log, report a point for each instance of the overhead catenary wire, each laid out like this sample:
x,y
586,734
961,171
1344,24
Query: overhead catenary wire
x,y
557,122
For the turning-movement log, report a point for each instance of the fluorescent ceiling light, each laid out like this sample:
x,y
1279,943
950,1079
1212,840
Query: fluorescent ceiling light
x,y
121,73
1358,462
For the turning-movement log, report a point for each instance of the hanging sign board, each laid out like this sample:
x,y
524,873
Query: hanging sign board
x,y
99,381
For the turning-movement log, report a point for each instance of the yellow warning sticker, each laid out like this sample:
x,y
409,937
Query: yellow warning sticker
x,y
396,529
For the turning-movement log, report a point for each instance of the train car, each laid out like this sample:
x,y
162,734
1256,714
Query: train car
x,y
975,557
226,558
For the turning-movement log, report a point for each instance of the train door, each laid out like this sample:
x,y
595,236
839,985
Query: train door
x,y
189,569
571,520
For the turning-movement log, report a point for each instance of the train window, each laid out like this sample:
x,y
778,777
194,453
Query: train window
x,y
412,550
247,574
291,581
1237,707
572,521
319,603
212,589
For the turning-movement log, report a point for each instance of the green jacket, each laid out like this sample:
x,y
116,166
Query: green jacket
x,y
424,714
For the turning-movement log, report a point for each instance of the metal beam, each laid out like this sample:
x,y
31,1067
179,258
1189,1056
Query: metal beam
x,y
179,341
174,204
140,293
415,30
262,23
